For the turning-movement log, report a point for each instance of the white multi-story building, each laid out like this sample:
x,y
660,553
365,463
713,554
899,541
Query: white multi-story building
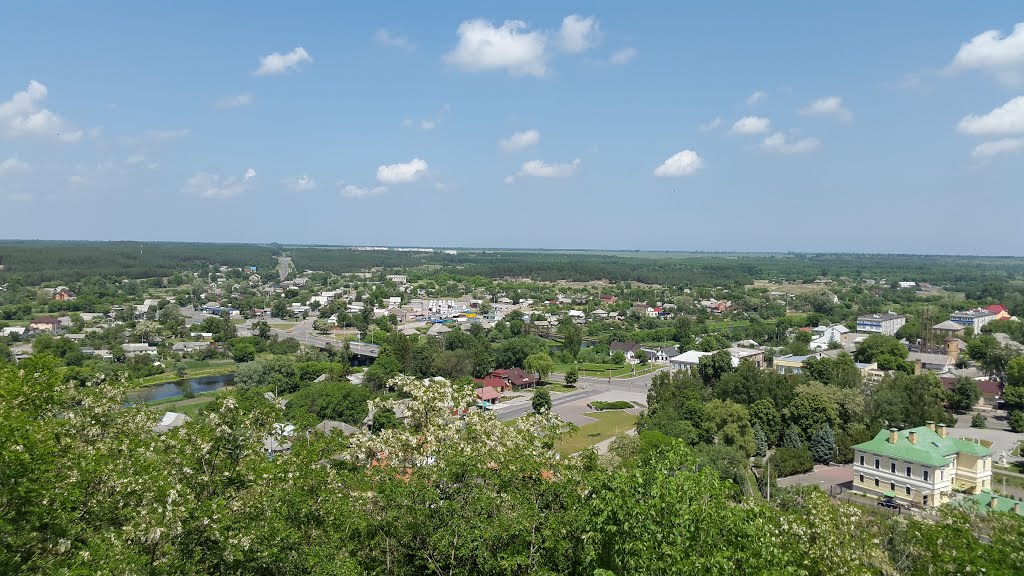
x,y
973,318
887,323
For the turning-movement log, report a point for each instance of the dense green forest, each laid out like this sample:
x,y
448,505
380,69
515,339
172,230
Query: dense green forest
x,y
38,262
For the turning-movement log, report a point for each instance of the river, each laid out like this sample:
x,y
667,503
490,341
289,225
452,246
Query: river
x,y
179,387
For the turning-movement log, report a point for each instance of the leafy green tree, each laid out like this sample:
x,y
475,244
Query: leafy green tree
x,y
789,461
262,329
385,420
180,370
964,395
764,415
541,401
713,366
572,337
978,421
877,346
840,371
731,425
760,443
321,326
793,438
905,401
823,445
279,309
329,401
383,369
1015,372
243,352
1016,421
571,376
539,363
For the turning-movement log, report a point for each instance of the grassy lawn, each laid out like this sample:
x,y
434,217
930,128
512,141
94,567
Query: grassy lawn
x,y
238,321
1011,481
189,406
557,387
608,425
196,368
604,370
727,324
283,325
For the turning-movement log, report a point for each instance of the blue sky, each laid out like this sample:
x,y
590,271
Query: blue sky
x,y
807,126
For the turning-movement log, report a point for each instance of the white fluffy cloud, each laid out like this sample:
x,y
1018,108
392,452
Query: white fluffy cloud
x,y
511,47
520,140
23,115
988,150
710,125
385,38
165,135
680,164
402,173
779,142
541,169
353,191
277,63
214,186
299,183
831,106
751,125
990,51
756,97
578,34
236,101
13,166
624,56
1006,119
426,124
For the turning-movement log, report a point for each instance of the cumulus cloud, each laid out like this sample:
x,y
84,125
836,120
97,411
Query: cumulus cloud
x,y
578,34
831,106
751,125
680,164
520,140
214,186
353,191
426,125
624,56
1006,119
990,51
277,63
385,38
987,150
402,173
236,101
711,125
541,169
756,97
510,47
23,115
299,183
779,142
13,166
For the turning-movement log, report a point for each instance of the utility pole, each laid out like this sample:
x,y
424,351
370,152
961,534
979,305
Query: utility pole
x,y
768,479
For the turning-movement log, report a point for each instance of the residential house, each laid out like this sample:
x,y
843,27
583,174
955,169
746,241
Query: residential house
x,y
330,426
185,347
987,501
608,298
687,360
516,377
9,330
999,310
629,349
990,390
949,328
494,382
438,330
824,336
135,349
887,323
64,295
487,395
44,324
750,355
1006,342
920,466
661,353
927,362
397,278
170,421
974,319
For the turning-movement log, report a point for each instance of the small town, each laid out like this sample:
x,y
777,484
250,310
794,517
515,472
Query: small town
x,y
470,289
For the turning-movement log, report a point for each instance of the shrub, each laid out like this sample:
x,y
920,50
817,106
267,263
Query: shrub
x,y
616,405
1016,421
788,461
977,421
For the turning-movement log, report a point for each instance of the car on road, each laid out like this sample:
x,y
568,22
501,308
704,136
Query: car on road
x,y
890,503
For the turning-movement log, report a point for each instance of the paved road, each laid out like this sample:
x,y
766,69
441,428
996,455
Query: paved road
x,y
519,408
637,384
283,264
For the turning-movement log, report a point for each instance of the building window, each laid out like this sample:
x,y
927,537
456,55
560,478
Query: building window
x,y
892,467
908,471
861,459
924,500
878,463
892,486
876,482
861,478
924,475
908,490
942,474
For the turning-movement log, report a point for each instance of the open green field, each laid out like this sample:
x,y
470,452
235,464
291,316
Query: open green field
x,y
283,325
608,425
605,370
196,368
189,406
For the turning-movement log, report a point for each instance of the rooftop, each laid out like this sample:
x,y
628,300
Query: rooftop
x,y
930,448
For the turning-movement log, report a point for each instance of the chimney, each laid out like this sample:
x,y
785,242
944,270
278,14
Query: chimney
x,y
917,367
942,430
993,502
912,436
892,436
1016,507
931,425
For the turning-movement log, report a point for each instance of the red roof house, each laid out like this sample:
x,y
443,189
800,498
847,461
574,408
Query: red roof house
x,y
487,394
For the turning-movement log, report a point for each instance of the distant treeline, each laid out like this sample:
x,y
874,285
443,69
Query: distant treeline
x,y
966,272
36,262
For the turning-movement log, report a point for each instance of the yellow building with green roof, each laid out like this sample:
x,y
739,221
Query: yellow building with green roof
x,y
920,466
